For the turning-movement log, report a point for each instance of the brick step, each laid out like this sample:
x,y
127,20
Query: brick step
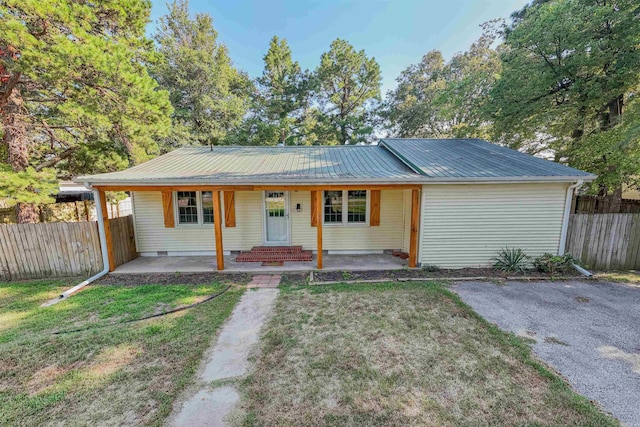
x,y
269,257
276,249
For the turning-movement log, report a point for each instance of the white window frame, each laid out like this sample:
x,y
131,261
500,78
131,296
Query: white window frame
x,y
200,213
345,210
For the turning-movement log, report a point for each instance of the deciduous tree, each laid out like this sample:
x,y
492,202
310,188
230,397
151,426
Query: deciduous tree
x,y
570,67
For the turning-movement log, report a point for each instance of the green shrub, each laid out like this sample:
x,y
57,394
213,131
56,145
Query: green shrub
x,y
430,268
511,260
552,264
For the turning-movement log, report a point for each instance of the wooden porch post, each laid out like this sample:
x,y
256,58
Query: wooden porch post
x,y
415,216
319,217
217,221
107,228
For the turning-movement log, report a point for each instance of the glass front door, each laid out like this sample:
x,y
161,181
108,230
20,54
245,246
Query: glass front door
x,y
276,217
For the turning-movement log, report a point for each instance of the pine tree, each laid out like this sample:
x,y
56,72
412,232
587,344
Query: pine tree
x,y
348,87
209,95
74,93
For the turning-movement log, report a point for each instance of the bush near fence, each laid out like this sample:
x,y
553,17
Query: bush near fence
x,y
59,249
55,212
69,211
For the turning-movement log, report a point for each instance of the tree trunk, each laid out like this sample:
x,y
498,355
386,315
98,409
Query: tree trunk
x,y
15,139
615,200
26,213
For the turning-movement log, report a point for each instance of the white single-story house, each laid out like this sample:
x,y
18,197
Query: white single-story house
x,y
451,203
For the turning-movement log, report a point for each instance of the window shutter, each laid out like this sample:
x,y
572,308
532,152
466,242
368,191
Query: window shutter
x,y
167,207
229,209
314,209
374,207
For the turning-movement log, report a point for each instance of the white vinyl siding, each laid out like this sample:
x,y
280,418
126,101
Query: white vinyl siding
x,y
352,237
466,225
152,236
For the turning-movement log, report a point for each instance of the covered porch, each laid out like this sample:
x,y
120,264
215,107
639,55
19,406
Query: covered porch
x,y
201,264
229,205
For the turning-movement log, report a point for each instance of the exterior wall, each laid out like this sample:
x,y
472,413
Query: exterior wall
x,y
466,225
152,236
388,235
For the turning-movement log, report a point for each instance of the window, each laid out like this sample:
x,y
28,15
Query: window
x,y
194,207
187,207
333,207
357,206
353,202
207,207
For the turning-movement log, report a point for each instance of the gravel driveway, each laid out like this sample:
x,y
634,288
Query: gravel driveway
x,y
588,331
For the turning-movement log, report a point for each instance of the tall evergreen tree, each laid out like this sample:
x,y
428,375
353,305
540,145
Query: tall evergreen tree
x,y
348,86
280,108
74,93
209,95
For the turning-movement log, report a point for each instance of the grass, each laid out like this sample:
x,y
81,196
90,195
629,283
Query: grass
x,y
114,375
399,354
630,277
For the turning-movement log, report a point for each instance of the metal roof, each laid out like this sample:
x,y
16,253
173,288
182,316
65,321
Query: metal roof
x,y
410,161
264,164
476,160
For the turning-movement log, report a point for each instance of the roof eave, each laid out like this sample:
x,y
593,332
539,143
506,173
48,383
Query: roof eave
x,y
420,181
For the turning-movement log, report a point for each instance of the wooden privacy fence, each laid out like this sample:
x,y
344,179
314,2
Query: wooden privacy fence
x,y
602,205
123,239
59,249
605,241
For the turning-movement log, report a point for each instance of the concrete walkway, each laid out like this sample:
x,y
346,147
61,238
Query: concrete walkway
x,y
226,360
588,331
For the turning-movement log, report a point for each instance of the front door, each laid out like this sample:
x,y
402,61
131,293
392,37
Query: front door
x,y
276,217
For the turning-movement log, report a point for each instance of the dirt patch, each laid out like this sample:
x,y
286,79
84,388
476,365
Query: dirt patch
x,y
44,378
174,279
336,276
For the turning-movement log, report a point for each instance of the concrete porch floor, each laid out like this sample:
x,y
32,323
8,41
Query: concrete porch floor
x,y
198,264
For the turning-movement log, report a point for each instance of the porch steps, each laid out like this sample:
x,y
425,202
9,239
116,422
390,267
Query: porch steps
x,y
274,253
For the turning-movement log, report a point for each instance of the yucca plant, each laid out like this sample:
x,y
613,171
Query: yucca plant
x,y
511,260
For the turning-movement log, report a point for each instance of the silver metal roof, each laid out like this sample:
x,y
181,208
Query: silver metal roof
x,y
264,164
475,159
410,161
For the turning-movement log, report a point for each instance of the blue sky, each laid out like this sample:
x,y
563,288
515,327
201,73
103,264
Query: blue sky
x,y
396,33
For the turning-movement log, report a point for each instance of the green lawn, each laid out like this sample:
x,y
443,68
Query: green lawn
x,y
114,375
628,277
399,355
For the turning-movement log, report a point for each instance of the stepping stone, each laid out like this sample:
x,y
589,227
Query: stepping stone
x,y
264,281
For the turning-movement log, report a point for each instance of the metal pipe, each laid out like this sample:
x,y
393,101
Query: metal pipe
x,y
582,271
565,218
103,247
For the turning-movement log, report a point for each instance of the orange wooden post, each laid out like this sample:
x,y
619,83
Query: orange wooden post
x,y
415,216
319,218
107,229
217,221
